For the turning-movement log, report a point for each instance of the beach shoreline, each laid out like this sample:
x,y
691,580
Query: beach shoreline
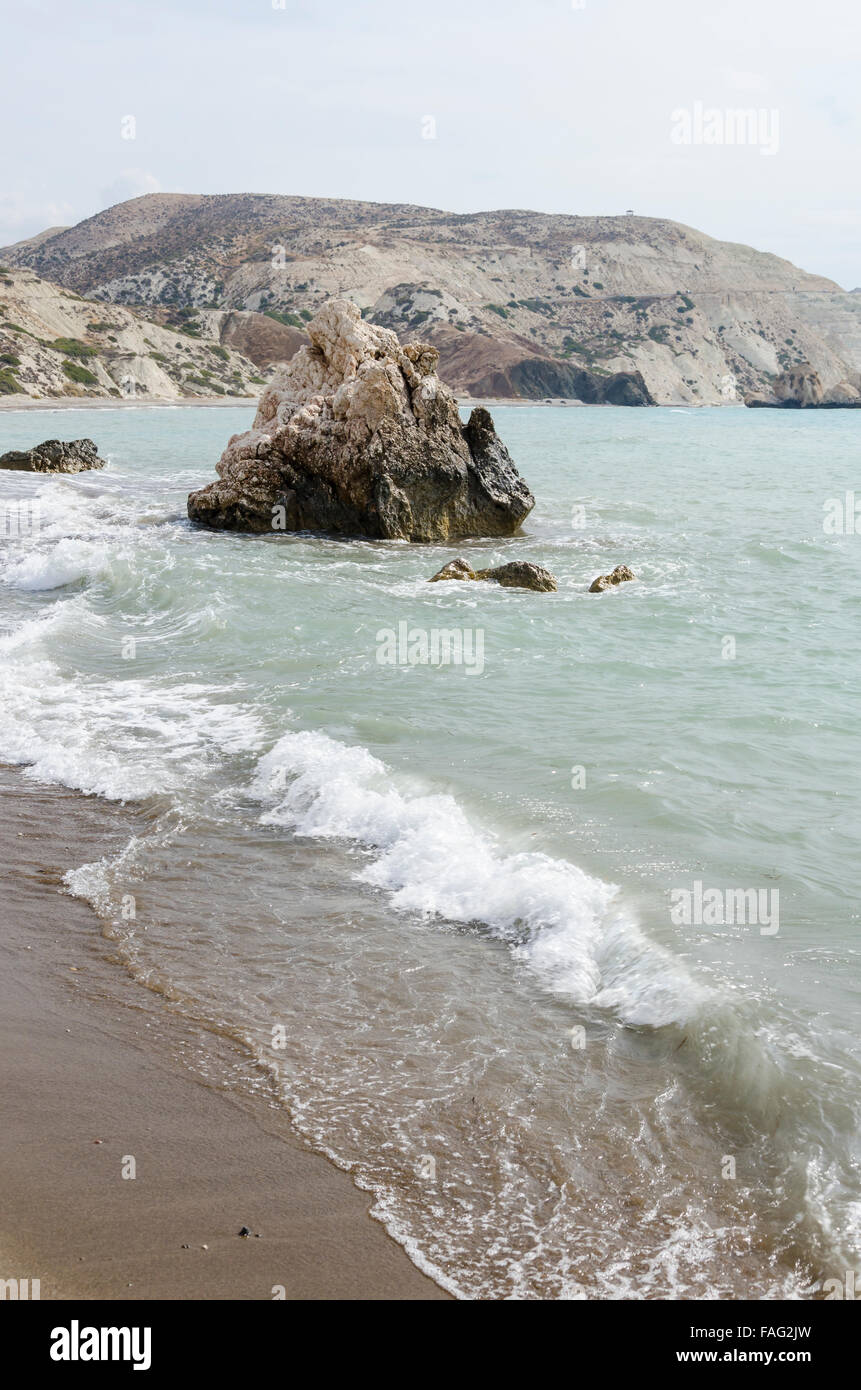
x,y
102,1080
12,404
47,403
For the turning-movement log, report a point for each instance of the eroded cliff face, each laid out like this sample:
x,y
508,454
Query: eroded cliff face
x,y
55,344
802,389
360,437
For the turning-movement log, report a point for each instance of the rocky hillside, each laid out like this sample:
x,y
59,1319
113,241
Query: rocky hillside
x,y
54,343
518,303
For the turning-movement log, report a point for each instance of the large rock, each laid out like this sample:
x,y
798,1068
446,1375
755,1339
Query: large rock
x,y
55,456
359,437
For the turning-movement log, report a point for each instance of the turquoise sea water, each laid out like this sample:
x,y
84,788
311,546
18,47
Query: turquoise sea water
x,y
440,904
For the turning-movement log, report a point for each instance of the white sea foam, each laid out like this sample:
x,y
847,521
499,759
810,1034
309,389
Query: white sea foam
x,y
65,563
432,860
121,739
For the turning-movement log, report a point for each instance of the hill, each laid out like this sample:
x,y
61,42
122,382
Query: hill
x,y
519,303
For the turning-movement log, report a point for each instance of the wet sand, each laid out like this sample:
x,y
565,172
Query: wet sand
x,y
98,1071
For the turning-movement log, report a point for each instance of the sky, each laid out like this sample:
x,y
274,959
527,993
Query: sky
x,y
576,106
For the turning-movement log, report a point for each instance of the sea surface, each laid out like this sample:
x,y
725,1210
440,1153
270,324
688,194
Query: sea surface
x,y
469,920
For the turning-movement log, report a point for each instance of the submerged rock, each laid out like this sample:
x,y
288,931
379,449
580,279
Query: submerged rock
x,y
359,437
518,574
55,456
607,581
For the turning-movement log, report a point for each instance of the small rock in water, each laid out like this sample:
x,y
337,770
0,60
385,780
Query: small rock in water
x,y
518,574
455,569
607,581
54,456
521,574
246,1231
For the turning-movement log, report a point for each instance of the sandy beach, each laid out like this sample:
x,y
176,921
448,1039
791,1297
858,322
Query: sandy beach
x,y
99,1071
16,402
13,403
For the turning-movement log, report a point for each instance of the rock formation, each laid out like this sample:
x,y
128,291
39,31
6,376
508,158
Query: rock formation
x,y
359,437
802,389
55,456
800,386
608,581
843,394
517,574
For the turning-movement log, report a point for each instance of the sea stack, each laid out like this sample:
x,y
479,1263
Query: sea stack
x,y
359,437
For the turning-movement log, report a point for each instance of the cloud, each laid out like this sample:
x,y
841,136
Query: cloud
x,y
22,216
745,81
129,183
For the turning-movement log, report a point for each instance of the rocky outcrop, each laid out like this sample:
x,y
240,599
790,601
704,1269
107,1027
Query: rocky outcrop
x,y
608,581
802,389
55,456
359,437
517,574
843,394
799,387
492,370
535,377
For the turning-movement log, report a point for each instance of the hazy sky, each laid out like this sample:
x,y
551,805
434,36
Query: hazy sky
x,y
545,104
